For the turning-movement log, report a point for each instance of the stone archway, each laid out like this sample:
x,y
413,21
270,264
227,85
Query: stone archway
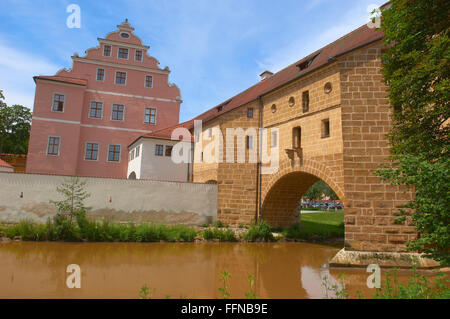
x,y
132,175
282,191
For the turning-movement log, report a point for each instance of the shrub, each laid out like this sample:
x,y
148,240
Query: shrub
x,y
259,232
221,235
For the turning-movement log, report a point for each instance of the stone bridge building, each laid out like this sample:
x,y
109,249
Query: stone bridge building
x,y
332,113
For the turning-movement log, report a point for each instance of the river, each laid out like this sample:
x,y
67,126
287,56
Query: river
x,y
188,270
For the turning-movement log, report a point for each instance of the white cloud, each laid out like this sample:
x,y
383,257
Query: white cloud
x,y
303,46
17,69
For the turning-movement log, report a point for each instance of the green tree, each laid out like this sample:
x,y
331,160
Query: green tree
x,y
72,206
15,123
416,69
317,189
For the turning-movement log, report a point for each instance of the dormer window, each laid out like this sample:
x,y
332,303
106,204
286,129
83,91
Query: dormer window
x,y
308,61
123,53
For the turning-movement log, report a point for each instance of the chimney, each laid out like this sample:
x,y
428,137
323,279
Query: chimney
x,y
265,75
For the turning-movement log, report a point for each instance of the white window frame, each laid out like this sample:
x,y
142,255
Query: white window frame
x,y
96,75
103,110
163,148
59,146
103,52
142,55
85,151
123,118
115,77
128,53
156,114
53,101
145,81
138,151
120,153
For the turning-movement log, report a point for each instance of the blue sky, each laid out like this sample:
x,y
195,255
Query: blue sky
x,y
215,48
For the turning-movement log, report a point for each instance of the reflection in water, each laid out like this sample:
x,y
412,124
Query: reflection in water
x,y
119,270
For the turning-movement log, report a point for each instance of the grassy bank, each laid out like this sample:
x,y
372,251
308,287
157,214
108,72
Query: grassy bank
x,y
99,232
317,226
314,226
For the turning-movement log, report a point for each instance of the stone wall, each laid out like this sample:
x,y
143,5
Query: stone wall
x,y
26,196
370,205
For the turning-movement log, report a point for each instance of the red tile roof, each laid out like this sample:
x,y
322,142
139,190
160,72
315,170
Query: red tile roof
x,y
356,39
63,79
351,41
4,164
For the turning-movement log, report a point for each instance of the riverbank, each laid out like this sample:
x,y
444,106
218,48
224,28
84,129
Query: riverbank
x,y
314,227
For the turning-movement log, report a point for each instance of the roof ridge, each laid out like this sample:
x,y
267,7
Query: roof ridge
x,y
316,53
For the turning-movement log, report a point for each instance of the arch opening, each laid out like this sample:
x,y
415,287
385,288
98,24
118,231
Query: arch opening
x,y
282,206
132,175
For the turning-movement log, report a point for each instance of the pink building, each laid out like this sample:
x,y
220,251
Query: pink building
x,y
84,118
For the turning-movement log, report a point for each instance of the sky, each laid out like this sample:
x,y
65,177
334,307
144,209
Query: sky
x,y
214,48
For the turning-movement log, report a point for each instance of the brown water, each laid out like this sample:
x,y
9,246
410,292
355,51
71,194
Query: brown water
x,y
119,270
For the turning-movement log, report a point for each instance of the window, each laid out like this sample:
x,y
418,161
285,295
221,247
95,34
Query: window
x,y
53,145
327,88
169,150
273,108
250,113
148,81
123,53
58,103
296,137
114,153
274,139
249,140
96,110
132,155
326,128
150,116
159,149
305,101
107,50
100,74
138,149
138,56
117,112
91,152
124,35
121,77
291,101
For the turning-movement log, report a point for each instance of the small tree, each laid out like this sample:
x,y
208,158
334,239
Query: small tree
x,y
72,206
